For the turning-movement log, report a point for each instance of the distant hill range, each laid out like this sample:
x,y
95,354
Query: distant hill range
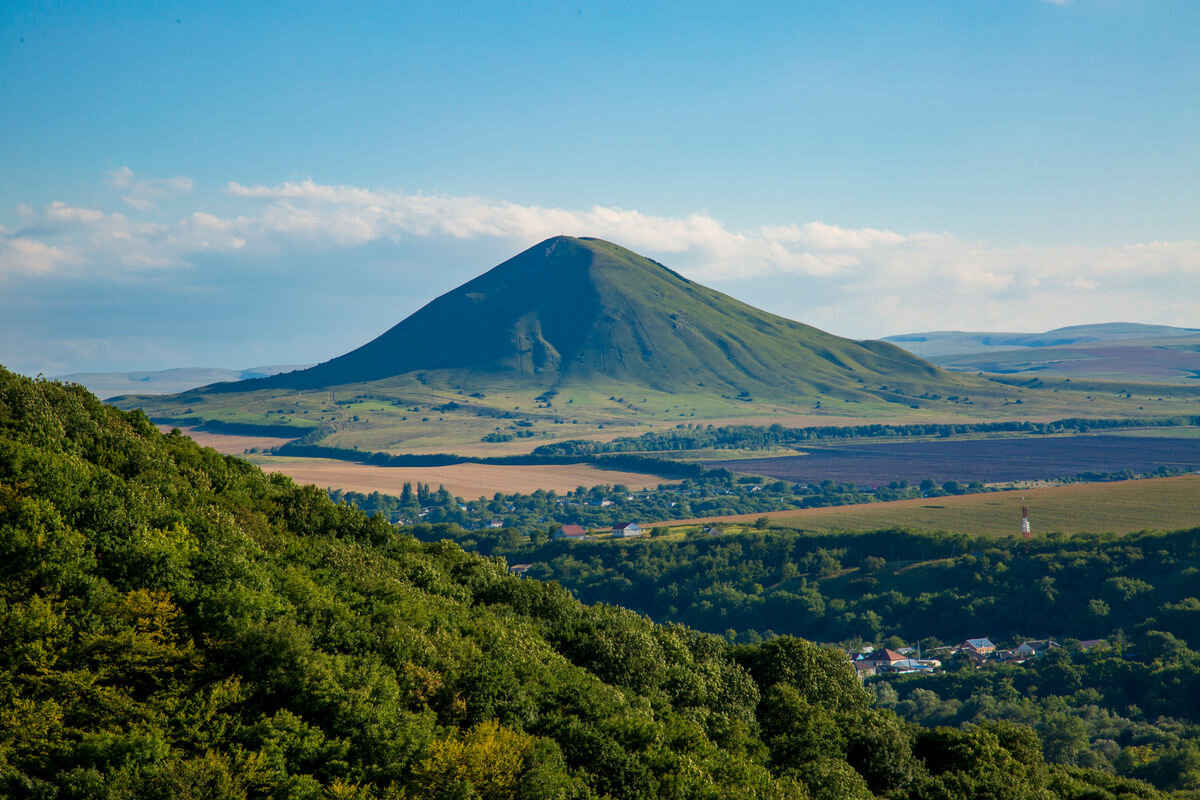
x,y
167,381
1115,351
579,310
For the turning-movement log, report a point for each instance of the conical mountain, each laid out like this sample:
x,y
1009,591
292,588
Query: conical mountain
x,y
581,309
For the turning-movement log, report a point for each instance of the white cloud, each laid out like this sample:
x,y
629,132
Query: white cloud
x,y
21,256
860,281
144,194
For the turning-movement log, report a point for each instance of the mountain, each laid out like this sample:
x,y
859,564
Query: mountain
x,y
572,310
1112,351
166,381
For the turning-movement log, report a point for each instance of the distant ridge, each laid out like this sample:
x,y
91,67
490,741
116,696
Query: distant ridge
x,y
1110,351
572,310
937,343
166,381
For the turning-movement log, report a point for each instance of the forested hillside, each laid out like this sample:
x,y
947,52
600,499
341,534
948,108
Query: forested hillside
x,y
175,624
1131,706
839,586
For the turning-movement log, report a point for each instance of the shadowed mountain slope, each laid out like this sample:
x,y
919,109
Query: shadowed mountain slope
x,y
572,310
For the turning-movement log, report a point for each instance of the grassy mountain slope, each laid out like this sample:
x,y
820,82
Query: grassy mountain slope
x,y
577,310
175,624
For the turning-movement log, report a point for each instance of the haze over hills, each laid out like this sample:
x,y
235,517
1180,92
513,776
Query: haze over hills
x,y
1112,351
580,309
166,381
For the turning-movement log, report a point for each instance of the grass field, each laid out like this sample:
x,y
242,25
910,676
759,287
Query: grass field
x,y
463,480
402,415
1120,507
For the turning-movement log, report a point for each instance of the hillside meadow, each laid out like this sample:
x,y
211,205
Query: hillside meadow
x,y
402,415
1117,507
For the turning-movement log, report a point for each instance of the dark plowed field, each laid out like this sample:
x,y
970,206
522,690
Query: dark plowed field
x,y
988,460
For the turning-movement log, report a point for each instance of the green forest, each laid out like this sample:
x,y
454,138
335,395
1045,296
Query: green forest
x,y
176,624
1131,708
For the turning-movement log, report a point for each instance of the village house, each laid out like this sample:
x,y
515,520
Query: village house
x,y
1034,647
910,665
883,656
519,569
496,523
874,662
626,530
978,647
865,669
571,532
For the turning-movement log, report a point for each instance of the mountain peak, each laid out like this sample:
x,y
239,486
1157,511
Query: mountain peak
x,y
584,309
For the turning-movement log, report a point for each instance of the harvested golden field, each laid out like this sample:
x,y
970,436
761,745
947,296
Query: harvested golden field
x,y
1119,507
230,444
462,480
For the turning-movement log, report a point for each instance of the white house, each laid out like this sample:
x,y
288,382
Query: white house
x,y
626,530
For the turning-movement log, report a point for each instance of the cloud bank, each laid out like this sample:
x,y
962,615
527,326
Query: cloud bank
x,y
855,281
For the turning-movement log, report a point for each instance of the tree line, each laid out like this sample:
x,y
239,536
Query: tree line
x,y
692,436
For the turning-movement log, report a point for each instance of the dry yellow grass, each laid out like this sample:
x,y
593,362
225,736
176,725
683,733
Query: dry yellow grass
x,y
1120,507
463,480
229,444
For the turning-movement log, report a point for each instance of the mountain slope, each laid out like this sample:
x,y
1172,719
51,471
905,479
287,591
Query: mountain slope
x,y
570,310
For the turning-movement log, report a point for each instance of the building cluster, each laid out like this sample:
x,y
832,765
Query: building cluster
x,y
908,660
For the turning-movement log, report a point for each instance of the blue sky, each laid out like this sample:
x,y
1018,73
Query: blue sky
x,y
242,184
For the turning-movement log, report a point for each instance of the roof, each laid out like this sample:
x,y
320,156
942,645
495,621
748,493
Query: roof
x,y
884,655
1037,644
620,526
981,643
573,530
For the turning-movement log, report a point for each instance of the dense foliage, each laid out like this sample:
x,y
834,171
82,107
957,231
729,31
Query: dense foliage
x,y
716,493
175,624
1131,707
913,585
